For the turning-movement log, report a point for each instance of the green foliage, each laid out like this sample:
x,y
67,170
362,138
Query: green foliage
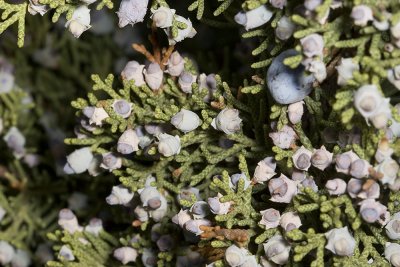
x,y
87,248
13,13
208,158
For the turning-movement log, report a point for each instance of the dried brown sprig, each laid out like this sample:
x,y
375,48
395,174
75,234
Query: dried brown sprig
x,y
239,236
210,253
159,55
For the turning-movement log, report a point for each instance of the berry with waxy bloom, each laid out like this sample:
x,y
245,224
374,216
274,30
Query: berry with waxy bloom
x,y
289,221
126,254
372,191
156,129
343,161
298,175
308,182
78,161
321,158
372,211
361,15
7,81
79,22
382,116
131,12
235,178
284,138
15,140
68,221
392,253
370,103
359,168
111,162
254,18
168,145
228,121
133,71
182,217
185,120
122,108
295,112
336,186
207,83
393,227
277,250
153,75
150,197
185,81
176,64
384,151
302,158
95,226
163,16
158,208
318,69
340,241
235,256
296,82
389,169
200,209
218,207
312,45
354,187
128,142
270,218
7,252
282,189
21,259
66,253
285,28
120,195
345,70
35,7
95,115
265,170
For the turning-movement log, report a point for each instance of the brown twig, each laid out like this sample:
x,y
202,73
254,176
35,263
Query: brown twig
x,y
330,68
142,49
220,104
367,185
239,94
159,55
136,223
375,174
210,253
166,55
154,42
14,182
177,172
257,79
3,171
239,236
